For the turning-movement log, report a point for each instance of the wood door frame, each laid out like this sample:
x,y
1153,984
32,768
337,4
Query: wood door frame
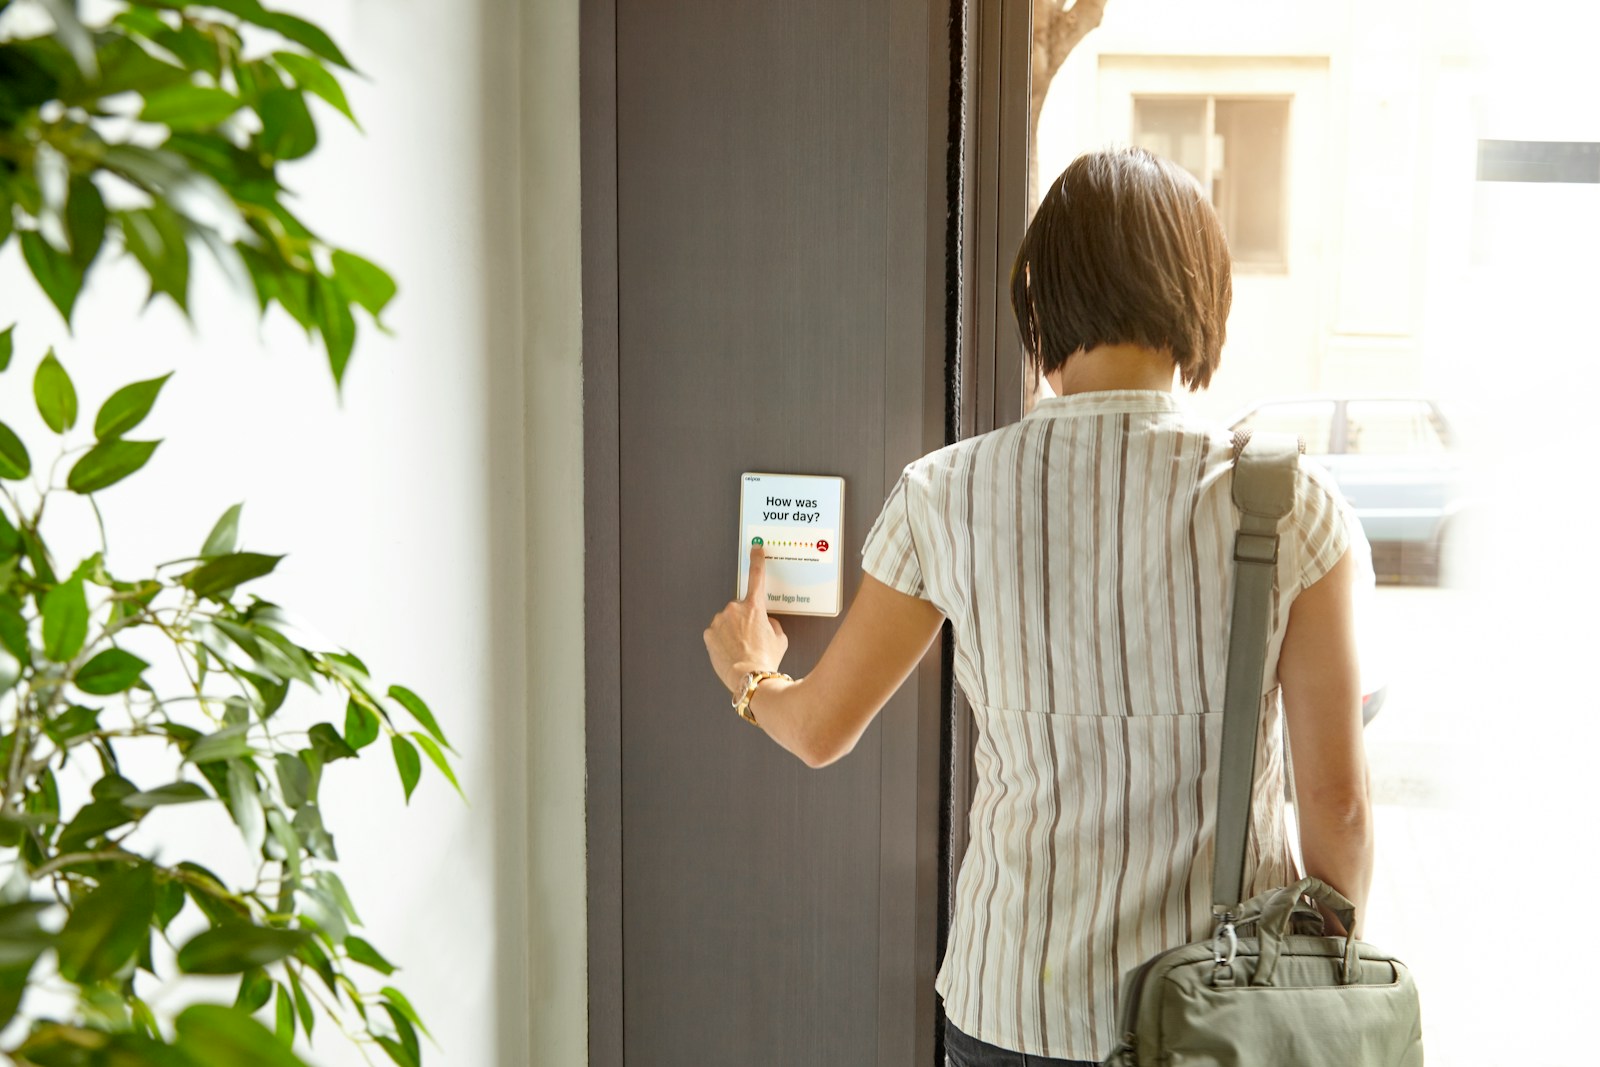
x,y
602,533
987,373
975,98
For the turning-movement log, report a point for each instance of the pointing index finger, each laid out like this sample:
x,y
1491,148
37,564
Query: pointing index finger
x,y
756,589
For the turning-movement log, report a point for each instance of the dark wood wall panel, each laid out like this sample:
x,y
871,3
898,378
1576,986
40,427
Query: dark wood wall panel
x,y
764,221
760,241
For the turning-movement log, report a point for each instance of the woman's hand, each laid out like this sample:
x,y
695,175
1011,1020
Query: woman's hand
x,y
742,637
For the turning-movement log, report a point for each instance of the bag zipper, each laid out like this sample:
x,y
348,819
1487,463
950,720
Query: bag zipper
x,y
1130,1007
1130,1040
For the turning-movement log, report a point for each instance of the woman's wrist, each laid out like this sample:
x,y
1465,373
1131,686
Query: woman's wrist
x,y
739,671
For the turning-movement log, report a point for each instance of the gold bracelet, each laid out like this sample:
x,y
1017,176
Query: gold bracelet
x,y
741,699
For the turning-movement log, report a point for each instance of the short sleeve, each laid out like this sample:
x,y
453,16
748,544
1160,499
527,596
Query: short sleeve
x,y
889,553
1326,525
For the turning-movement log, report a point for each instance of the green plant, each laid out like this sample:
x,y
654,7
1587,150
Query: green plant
x,y
125,697
164,128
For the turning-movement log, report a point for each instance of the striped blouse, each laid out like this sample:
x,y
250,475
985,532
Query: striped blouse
x,y
1083,556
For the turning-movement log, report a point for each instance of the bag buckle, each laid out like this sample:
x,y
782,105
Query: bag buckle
x,y
1222,959
1255,547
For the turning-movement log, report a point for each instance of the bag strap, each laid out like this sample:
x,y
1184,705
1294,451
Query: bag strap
x,y
1264,467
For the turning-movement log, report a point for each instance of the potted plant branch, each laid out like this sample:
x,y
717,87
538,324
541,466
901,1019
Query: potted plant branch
x,y
126,697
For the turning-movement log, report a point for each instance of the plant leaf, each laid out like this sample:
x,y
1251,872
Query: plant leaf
x,y
197,50
107,463
419,711
112,671
217,577
294,778
74,722
363,953
397,1052
21,936
283,1011
57,400
302,33
214,1034
74,36
169,901
237,947
287,129
86,220
93,820
189,107
361,724
363,281
407,762
158,239
224,536
112,786
398,999
282,656
408,1036
438,760
335,888
337,324
172,793
10,668
245,801
302,1003
59,277
228,743
327,743
127,407
7,345
22,941
66,620
313,77
125,67
255,989
106,929
14,462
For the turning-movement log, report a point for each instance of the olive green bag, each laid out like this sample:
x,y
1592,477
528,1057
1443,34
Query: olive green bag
x,y
1268,990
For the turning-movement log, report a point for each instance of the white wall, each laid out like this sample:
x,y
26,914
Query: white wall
x,y
555,1029
433,520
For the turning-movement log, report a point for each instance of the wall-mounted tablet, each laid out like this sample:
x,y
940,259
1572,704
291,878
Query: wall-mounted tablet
x,y
798,519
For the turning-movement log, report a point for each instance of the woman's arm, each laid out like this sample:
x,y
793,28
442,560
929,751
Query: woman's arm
x,y
1321,677
821,716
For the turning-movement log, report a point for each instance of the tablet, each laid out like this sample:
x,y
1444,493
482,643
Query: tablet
x,y
797,519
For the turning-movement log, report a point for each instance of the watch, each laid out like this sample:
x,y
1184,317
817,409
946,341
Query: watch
x,y
747,689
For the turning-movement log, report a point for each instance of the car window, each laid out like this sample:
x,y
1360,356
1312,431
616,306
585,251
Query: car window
x,y
1312,420
1392,428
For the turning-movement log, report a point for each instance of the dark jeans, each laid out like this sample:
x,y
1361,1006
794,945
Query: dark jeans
x,y
961,1050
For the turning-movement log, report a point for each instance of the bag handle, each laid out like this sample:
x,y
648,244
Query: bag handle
x,y
1264,467
1277,913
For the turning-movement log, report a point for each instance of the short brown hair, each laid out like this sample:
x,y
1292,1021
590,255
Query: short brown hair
x,y
1124,249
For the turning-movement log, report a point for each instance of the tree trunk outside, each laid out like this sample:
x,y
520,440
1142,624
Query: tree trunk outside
x,y
1058,26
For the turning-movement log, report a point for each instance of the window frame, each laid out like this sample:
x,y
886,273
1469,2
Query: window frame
x,y
1275,266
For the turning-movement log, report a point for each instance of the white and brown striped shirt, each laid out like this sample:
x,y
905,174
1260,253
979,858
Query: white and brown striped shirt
x,y
1083,556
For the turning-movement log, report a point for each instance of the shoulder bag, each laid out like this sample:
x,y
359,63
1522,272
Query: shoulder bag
x,y
1262,993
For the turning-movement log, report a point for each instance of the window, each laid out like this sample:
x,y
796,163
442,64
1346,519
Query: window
x,y
1237,149
1539,161
1311,421
1392,428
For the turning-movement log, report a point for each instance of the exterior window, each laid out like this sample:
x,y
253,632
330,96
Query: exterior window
x,y
1237,148
1311,420
1392,428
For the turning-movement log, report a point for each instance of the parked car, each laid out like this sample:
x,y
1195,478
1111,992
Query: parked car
x,y
1395,460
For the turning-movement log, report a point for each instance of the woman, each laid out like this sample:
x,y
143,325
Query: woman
x,y
1083,556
